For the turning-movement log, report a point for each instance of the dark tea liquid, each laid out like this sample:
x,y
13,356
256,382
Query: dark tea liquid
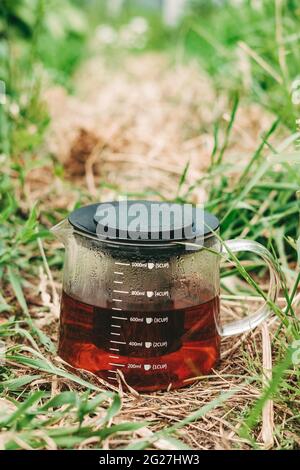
x,y
152,349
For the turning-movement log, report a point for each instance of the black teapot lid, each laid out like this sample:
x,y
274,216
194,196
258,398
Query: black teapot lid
x,y
143,221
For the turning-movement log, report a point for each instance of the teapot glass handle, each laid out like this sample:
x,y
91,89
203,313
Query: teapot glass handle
x,y
254,319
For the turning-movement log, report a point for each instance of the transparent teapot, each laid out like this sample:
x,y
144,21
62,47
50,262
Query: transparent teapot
x,y
140,302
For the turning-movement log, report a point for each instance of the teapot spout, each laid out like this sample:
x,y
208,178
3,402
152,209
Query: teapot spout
x,y
62,231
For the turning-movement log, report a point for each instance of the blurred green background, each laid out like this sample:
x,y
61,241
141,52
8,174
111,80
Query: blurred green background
x,y
57,35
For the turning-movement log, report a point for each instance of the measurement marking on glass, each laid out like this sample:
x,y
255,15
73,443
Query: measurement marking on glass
x,y
118,282
117,300
122,264
119,272
121,292
116,326
117,342
115,334
117,365
114,357
114,349
115,308
119,318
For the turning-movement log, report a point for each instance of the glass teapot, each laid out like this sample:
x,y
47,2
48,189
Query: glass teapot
x,y
141,283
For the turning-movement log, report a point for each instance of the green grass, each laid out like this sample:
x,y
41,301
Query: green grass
x,y
270,58
29,43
